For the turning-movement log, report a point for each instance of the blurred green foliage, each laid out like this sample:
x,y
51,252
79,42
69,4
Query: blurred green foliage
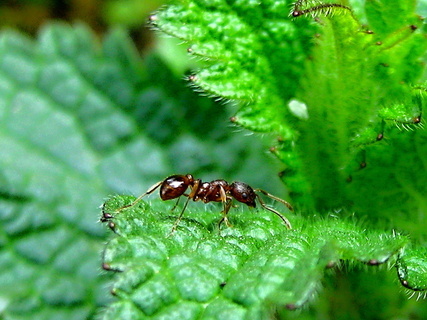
x,y
82,120
129,12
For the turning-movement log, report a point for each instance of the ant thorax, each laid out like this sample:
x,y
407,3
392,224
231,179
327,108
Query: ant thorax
x,y
201,192
210,191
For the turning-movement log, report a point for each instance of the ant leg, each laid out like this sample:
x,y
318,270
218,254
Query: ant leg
x,y
285,220
176,203
226,201
227,206
149,191
175,225
287,204
190,196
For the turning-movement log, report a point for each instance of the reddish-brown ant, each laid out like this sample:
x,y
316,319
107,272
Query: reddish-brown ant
x,y
175,186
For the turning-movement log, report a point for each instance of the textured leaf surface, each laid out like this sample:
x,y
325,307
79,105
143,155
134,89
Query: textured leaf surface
x,y
80,120
50,177
243,272
412,270
253,48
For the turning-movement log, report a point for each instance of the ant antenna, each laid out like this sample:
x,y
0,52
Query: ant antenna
x,y
287,204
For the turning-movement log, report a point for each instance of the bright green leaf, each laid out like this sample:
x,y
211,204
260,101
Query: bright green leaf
x,y
245,269
412,269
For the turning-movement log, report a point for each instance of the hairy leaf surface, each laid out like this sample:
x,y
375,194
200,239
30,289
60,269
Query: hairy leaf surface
x,y
246,271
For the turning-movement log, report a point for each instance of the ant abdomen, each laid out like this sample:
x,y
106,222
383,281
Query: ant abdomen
x,y
175,186
242,192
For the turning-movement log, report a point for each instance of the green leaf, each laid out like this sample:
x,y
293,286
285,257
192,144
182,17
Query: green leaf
x,y
81,120
50,178
258,70
354,78
385,17
411,269
246,270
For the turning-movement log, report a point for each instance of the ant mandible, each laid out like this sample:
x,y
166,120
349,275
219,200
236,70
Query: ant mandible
x,y
175,186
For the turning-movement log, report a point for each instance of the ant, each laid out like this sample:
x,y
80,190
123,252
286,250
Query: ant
x,y
175,186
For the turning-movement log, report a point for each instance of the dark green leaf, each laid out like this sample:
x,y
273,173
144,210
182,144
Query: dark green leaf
x,y
81,120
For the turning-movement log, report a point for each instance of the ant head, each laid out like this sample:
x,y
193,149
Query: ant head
x,y
243,193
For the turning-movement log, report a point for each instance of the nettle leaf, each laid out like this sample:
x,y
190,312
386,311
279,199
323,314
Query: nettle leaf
x,y
51,181
412,270
386,18
243,272
79,121
254,55
357,87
